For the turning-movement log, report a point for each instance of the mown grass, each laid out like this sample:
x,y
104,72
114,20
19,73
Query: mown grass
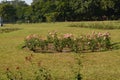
x,y
63,66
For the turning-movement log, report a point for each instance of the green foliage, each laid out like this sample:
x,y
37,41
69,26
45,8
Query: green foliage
x,y
8,12
51,17
78,45
63,10
20,13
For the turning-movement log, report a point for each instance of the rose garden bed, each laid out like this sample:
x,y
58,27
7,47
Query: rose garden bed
x,y
68,43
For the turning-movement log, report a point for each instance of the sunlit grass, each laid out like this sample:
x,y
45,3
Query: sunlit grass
x,y
97,25
63,66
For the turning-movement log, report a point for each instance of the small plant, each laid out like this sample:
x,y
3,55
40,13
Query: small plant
x,y
106,40
58,44
43,44
9,74
42,74
76,47
51,36
14,76
68,40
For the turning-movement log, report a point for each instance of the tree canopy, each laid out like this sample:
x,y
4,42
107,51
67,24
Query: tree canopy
x,y
60,10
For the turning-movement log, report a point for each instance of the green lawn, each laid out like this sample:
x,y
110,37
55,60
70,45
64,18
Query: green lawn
x,y
63,66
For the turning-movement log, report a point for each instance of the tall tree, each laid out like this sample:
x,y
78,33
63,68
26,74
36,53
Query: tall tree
x,y
8,12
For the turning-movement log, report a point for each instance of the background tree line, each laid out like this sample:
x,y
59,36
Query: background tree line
x,y
59,10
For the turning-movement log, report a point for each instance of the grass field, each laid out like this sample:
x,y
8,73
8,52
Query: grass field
x,y
63,66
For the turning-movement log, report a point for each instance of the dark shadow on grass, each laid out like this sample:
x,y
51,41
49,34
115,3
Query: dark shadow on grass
x,y
43,51
7,30
79,77
116,45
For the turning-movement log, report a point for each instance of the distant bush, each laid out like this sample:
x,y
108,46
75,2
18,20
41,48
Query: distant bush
x,y
7,30
19,22
96,25
67,42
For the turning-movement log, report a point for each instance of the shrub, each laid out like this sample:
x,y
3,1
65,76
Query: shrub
x,y
58,44
61,43
32,42
78,44
99,41
51,36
